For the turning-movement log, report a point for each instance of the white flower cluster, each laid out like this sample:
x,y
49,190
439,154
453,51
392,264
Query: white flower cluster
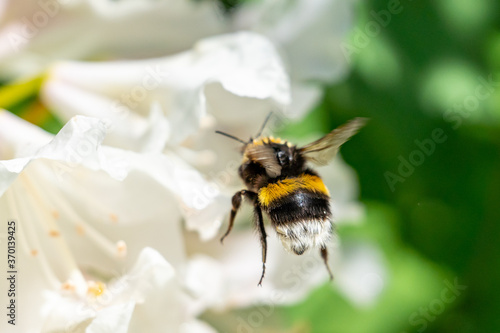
x,y
105,209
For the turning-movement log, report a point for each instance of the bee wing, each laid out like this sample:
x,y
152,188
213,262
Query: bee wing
x,y
266,156
322,151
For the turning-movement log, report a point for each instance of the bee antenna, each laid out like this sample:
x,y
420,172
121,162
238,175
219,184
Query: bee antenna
x,y
230,136
264,124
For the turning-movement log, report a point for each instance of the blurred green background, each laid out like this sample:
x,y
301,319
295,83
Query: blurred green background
x,y
417,66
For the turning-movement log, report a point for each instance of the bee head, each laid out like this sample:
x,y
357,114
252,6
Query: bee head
x,y
283,152
276,156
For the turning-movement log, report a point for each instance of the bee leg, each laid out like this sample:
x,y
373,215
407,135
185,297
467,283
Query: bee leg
x,y
259,221
236,205
324,255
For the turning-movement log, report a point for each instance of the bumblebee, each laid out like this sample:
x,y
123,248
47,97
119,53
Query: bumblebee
x,y
293,196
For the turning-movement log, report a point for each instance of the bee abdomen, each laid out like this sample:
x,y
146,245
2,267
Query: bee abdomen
x,y
299,236
299,206
302,220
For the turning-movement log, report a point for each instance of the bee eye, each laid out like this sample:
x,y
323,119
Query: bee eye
x,y
282,157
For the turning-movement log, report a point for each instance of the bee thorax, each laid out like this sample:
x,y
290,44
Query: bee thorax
x,y
299,236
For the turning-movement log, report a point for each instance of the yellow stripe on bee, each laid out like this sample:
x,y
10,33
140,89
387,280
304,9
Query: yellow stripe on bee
x,y
267,140
282,188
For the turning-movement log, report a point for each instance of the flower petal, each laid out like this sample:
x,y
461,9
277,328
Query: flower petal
x,y
78,139
221,74
309,31
159,298
113,319
202,204
146,299
36,34
67,174
231,274
362,275
309,34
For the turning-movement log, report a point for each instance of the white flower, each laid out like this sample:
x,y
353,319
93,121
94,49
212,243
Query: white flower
x,y
233,77
34,34
74,203
308,33
362,273
148,298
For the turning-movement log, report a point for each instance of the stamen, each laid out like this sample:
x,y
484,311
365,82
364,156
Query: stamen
x,y
68,286
121,247
97,205
96,289
71,216
113,218
33,198
28,235
80,229
54,233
